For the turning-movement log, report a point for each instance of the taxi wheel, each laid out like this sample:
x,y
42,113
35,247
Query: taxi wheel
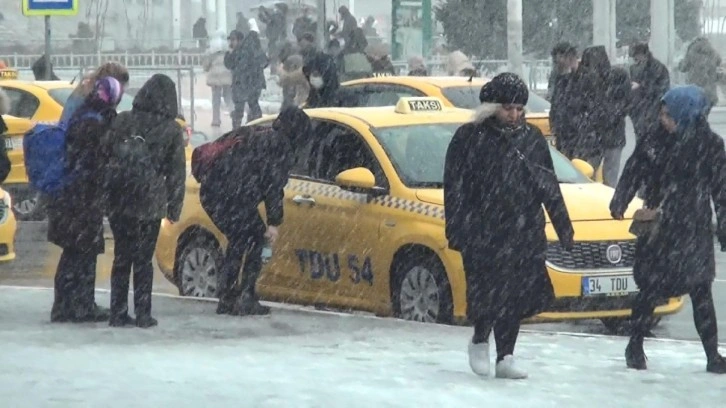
x,y
198,263
30,208
621,326
421,290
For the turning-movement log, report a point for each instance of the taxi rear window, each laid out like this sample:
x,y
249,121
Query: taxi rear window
x,y
61,95
467,97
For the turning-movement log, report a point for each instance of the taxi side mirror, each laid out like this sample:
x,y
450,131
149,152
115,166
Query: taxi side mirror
x,y
584,167
359,179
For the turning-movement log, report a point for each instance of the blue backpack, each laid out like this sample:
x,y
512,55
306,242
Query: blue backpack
x,y
44,148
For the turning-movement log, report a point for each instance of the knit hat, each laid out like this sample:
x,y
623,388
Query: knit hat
x,y
108,90
506,88
686,105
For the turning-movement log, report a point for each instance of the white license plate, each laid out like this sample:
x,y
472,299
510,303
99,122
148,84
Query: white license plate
x,y
609,285
13,143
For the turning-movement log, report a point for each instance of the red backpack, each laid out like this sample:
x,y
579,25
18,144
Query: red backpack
x,y
204,156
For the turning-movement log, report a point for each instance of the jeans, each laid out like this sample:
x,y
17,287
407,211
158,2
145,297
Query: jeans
x,y
135,241
611,165
253,101
218,94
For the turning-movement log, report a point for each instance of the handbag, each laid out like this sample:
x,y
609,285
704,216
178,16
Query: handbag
x,y
645,222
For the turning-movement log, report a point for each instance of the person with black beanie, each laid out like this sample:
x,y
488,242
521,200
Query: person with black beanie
x,y
497,175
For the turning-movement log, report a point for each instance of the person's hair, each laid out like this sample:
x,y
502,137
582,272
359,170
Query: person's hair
x,y
107,69
564,48
639,49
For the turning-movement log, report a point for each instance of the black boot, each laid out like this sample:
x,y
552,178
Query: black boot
x,y
716,365
225,306
248,305
96,314
635,355
145,322
59,313
121,320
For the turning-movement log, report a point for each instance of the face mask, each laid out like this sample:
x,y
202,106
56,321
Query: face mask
x,y
316,82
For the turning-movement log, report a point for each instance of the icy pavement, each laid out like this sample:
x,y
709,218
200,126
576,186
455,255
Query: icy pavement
x,y
302,358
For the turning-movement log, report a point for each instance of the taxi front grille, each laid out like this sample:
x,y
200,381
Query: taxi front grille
x,y
4,250
591,255
596,304
3,212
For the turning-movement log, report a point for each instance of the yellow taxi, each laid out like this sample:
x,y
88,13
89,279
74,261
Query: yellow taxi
x,y
8,227
34,102
364,226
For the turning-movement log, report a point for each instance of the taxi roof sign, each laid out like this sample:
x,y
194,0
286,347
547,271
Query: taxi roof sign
x,y
419,104
8,73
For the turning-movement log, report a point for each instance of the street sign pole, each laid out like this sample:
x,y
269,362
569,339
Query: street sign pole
x,y
48,8
47,48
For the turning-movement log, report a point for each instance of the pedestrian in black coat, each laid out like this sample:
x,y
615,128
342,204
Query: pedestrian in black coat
x,y
247,61
587,103
322,74
561,118
75,214
497,175
650,81
682,166
254,170
135,216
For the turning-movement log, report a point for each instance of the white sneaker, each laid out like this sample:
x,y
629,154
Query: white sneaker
x,y
479,358
508,369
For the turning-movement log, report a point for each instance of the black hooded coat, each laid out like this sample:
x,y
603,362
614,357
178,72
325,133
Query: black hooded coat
x,y
152,117
254,170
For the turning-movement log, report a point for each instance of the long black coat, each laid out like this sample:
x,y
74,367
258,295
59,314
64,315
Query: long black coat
x,y
75,215
681,177
494,216
247,63
561,118
654,80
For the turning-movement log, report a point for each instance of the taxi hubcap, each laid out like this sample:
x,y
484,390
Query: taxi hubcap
x,y
419,296
26,206
199,274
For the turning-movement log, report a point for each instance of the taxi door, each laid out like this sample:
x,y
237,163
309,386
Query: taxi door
x,y
336,250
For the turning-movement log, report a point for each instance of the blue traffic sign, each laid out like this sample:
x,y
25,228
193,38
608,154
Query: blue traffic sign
x,y
50,7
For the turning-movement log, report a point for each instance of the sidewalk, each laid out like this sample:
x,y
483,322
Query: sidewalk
x,y
301,358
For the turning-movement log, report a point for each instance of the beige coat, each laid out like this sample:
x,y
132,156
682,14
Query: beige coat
x,y
217,73
458,62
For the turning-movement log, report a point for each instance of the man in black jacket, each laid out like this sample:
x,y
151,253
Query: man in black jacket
x,y
650,81
139,198
254,170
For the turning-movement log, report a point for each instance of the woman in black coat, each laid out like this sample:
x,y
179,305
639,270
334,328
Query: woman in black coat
x,y
682,166
75,215
497,175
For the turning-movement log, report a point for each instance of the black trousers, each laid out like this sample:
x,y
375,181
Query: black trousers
x,y
134,244
74,285
244,254
704,317
252,99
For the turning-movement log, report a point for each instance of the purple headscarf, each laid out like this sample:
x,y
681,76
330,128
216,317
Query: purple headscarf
x,y
108,90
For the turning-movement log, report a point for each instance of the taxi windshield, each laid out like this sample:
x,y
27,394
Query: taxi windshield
x,y
61,95
467,97
418,153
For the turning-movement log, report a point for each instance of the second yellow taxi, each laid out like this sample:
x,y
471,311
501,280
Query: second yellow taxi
x,y
364,227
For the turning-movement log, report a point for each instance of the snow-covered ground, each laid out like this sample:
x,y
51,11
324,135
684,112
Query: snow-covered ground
x,y
302,358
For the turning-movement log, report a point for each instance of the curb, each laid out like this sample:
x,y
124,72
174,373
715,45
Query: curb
x,y
312,311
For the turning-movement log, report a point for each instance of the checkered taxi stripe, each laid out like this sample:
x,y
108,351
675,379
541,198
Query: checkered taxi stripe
x,y
326,190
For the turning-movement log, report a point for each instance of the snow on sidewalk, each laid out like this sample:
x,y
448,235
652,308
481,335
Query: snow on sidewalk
x,y
300,358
